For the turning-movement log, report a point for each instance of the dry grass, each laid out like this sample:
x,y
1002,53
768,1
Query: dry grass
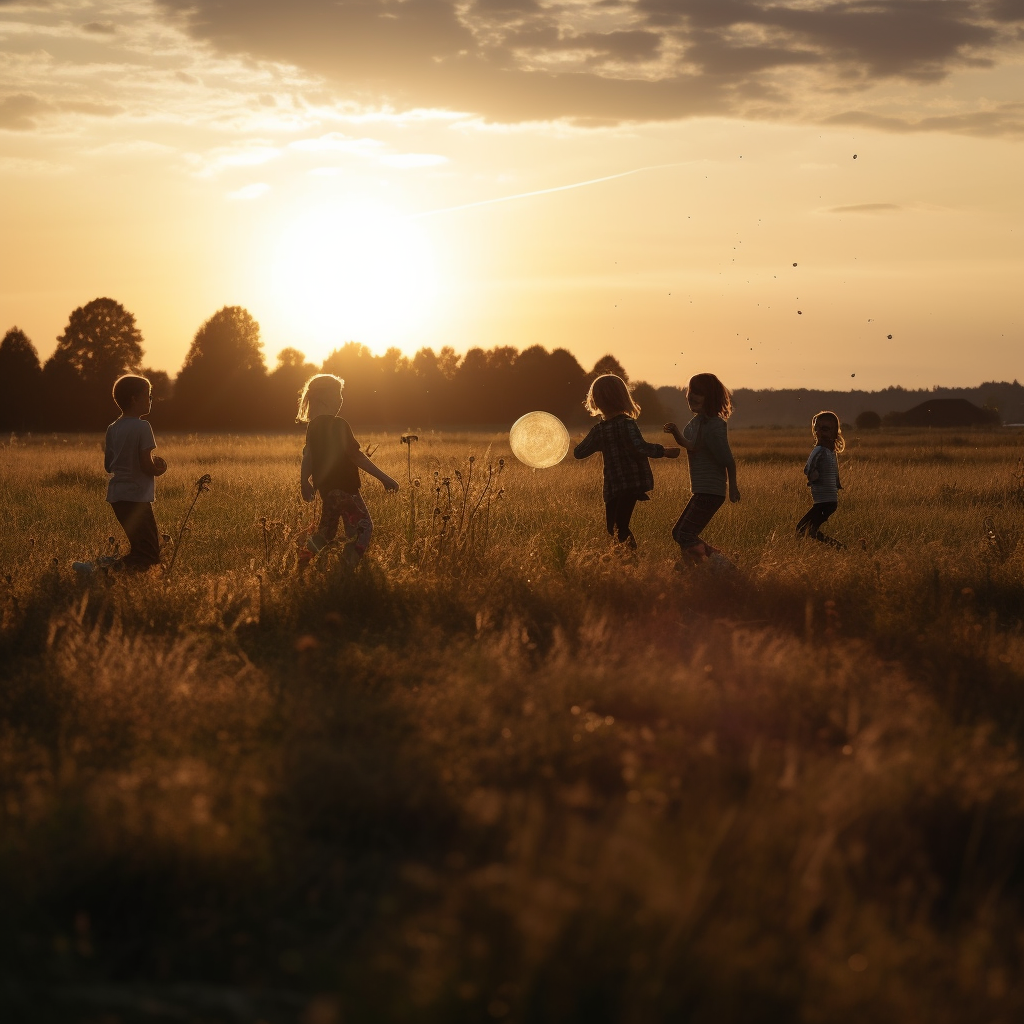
x,y
511,776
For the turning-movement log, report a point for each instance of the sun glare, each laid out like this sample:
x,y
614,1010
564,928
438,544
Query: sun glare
x,y
358,272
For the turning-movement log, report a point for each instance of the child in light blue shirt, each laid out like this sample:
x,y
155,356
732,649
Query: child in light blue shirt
x,y
822,472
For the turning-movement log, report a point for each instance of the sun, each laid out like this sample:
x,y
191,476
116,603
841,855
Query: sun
x,y
354,272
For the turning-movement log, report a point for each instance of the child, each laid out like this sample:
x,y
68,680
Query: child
x,y
627,472
331,461
706,440
822,472
129,459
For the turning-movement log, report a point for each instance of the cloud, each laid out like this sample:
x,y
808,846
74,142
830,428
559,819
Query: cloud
x,y
867,208
1005,119
405,161
253,191
100,28
517,60
19,112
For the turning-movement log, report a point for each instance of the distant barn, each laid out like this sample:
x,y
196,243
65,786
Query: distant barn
x,y
944,412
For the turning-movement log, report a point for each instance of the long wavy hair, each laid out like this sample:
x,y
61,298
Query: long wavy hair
x,y
840,440
717,397
320,396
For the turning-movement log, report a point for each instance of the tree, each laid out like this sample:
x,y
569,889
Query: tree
x,y
651,409
868,420
100,342
609,364
221,383
20,380
283,387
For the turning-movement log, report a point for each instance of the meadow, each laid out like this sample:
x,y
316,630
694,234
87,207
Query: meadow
x,y
502,771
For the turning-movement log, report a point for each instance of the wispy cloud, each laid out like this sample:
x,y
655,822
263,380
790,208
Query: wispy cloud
x,y
867,208
408,161
253,191
542,191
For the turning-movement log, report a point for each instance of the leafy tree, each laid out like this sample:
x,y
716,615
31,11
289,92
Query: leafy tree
x,y
284,385
222,382
608,364
651,409
20,380
868,420
100,342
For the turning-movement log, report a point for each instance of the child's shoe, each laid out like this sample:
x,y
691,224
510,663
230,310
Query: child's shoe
x,y
697,553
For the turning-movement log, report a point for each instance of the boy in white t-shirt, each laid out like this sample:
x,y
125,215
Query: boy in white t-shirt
x,y
129,459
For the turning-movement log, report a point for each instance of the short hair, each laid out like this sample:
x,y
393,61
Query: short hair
x,y
840,440
717,397
128,387
320,396
608,396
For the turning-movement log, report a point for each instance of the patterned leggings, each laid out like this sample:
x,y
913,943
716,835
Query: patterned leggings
x,y
349,510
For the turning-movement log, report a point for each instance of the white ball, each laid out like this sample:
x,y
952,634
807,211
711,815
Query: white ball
x,y
539,440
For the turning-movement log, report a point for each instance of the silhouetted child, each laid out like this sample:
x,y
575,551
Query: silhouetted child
x,y
712,467
331,460
128,458
822,472
627,471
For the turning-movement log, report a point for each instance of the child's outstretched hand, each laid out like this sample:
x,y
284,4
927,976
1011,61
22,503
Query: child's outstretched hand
x,y
734,494
159,466
390,484
671,453
669,428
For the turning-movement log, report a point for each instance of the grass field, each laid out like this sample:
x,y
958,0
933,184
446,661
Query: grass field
x,y
501,773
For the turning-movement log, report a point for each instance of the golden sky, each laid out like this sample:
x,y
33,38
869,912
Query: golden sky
x,y
638,177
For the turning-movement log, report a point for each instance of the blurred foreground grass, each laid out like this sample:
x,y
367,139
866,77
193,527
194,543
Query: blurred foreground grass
x,y
506,774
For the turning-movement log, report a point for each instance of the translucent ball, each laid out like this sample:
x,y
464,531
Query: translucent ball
x,y
539,440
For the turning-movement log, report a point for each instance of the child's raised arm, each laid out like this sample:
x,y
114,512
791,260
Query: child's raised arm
x,y
360,459
306,475
651,449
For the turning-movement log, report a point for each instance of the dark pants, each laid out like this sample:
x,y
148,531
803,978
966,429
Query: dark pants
x,y
815,519
618,510
697,514
137,521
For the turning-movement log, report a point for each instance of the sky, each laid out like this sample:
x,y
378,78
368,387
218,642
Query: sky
x,y
789,193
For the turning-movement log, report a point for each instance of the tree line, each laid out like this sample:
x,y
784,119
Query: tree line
x,y
225,384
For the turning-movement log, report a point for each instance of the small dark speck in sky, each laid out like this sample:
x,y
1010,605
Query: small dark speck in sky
x,y
854,156
794,264
889,336
800,312
853,375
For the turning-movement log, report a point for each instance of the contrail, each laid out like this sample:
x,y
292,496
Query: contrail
x,y
542,191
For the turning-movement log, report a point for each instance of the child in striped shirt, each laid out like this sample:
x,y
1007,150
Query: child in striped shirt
x,y
706,440
822,472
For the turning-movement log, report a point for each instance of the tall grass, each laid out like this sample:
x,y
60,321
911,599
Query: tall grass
x,y
527,779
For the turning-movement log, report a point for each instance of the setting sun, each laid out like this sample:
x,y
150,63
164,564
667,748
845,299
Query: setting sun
x,y
355,271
